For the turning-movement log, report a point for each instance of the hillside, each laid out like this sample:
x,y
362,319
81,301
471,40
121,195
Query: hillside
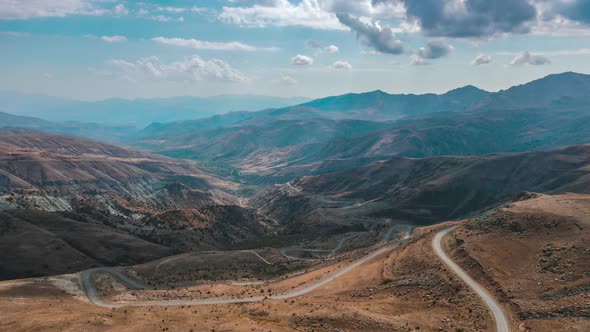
x,y
241,145
428,190
59,173
35,243
533,255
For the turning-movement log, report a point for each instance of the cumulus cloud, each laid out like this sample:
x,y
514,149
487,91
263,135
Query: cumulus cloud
x,y
301,60
114,39
382,39
193,68
469,18
287,80
332,49
367,8
526,58
481,59
435,49
317,14
207,45
120,10
318,48
307,13
340,64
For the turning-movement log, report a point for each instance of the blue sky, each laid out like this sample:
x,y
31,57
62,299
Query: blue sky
x,y
96,49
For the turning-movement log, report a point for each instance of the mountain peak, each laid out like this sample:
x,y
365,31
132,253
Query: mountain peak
x,y
467,90
377,92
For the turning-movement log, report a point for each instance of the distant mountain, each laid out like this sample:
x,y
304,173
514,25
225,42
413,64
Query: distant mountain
x,y
282,150
137,112
378,105
542,92
10,122
372,106
465,121
381,106
427,190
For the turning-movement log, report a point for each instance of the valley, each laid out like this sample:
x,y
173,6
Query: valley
x,y
461,211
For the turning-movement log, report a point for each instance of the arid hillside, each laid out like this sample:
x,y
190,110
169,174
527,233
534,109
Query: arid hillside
x,y
58,173
109,205
533,255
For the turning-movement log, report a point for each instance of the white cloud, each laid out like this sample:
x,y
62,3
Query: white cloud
x,y
114,39
18,9
207,45
171,9
164,18
288,80
526,58
481,59
317,14
416,60
372,34
342,65
120,10
307,13
193,68
435,49
332,49
301,60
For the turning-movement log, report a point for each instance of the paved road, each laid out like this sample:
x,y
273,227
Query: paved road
x,y
95,299
490,302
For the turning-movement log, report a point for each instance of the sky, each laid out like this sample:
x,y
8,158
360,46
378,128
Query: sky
x,y
98,49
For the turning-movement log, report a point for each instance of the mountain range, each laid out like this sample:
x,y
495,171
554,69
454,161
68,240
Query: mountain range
x,y
349,163
134,112
282,144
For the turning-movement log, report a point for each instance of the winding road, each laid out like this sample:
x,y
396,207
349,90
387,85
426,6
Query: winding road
x,y
93,297
332,252
489,301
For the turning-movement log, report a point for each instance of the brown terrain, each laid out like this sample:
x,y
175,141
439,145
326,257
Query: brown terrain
x,y
533,254
61,196
530,254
